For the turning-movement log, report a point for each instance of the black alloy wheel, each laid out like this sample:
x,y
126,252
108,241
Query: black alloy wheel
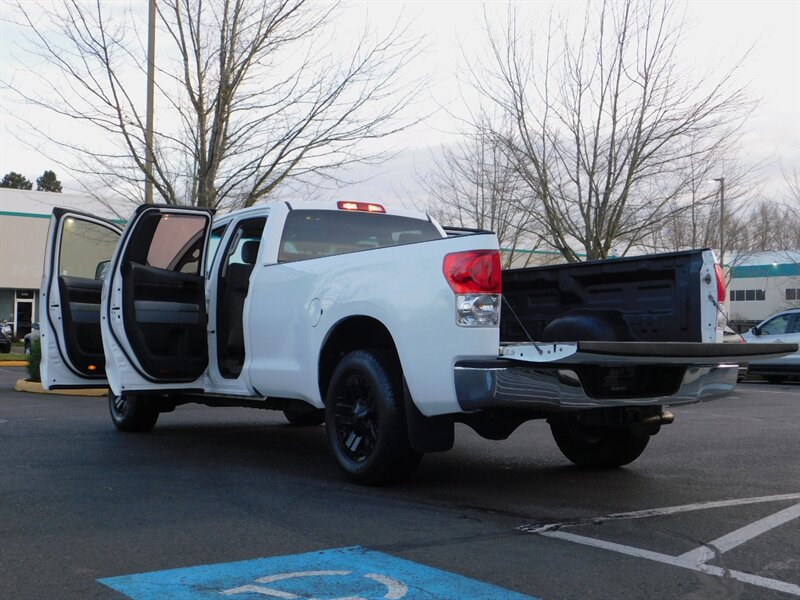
x,y
357,424
132,412
365,419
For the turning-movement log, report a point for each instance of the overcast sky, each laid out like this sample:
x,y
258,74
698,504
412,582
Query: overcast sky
x,y
719,32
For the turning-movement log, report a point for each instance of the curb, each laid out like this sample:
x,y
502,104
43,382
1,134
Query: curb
x,y
14,363
36,388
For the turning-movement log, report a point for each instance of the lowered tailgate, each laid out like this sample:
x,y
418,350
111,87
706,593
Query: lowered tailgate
x,y
641,353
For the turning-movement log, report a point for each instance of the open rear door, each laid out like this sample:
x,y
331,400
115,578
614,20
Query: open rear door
x,y
154,314
79,251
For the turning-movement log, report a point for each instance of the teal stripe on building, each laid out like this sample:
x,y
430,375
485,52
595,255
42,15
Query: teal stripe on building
x,y
780,270
10,213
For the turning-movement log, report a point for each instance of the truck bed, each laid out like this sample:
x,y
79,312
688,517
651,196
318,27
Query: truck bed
x,y
654,298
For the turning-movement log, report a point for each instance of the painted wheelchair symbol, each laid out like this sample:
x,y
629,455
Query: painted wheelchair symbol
x,y
394,589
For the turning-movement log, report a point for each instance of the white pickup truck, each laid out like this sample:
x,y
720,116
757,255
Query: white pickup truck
x,y
380,323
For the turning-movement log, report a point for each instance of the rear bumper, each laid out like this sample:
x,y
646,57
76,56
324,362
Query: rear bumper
x,y
504,384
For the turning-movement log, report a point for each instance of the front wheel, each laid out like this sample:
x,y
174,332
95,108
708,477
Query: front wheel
x,y
598,448
304,418
132,412
365,419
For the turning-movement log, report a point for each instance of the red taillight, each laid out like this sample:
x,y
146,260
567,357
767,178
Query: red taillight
x,y
721,291
474,272
362,206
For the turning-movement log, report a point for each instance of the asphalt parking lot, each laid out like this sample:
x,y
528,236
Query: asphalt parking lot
x,y
709,511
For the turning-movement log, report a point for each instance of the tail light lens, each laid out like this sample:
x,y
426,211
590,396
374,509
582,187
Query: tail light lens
x,y
721,290
476,278
474,271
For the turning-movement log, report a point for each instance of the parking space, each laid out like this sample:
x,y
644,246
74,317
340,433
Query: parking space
x,y
709,511
708,557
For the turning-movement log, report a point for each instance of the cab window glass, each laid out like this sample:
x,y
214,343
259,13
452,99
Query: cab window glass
x,y
177,243
86,248
245,242
776,326
317,233
213,244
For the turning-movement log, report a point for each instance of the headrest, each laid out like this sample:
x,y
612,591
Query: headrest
x,y
250,252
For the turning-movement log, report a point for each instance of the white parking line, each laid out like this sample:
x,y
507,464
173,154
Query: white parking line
x,y
656,512
740,536
695,560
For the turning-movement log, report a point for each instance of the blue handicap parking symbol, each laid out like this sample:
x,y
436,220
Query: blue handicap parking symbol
x,y
340,574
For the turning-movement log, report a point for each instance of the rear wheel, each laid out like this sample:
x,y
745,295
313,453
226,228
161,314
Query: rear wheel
x,y
596,447
365,419
305,418
132,412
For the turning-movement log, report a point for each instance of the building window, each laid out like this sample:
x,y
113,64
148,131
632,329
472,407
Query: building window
x,y
792,294
749,295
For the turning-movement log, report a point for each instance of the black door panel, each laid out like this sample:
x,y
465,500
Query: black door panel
x,y
80,313
165,321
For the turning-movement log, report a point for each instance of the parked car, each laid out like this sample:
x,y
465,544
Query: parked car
x,y
783,327
5,343
729,336
30,337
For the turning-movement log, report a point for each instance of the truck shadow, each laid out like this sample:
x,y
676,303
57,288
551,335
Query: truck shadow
x,y
515,478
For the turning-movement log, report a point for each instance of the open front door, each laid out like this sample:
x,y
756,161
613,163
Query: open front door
x,y
154,313
79,251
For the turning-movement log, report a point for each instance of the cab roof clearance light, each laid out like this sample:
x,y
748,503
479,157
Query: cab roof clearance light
x,y
361,206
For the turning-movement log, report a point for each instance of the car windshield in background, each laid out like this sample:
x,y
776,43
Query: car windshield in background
x,y
317,233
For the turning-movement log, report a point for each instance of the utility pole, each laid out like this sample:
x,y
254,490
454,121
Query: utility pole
x,y
721,220
151,75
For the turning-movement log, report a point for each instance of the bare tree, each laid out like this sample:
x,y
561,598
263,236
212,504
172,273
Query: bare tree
x,y
605,119
772,226
692,220
256,97
473,185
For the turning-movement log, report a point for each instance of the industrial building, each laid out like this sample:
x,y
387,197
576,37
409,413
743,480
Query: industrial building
x,y
762,284
24,218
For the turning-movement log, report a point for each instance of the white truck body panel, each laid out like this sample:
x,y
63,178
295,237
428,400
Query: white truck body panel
x,y
125,373
292,308
284,362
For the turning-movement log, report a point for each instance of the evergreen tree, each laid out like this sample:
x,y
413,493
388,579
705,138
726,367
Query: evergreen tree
x,y
48,182
16,181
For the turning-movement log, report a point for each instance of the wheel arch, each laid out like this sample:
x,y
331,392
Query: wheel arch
x,y
359,332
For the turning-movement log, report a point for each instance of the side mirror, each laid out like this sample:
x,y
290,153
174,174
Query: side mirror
x,y
755,330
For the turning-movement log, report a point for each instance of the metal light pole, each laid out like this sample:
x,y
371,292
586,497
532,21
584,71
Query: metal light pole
x,y
721,220
151,72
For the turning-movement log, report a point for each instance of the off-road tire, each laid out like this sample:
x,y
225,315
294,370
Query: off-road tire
x,y
365,419
305,418
598,448
132,413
